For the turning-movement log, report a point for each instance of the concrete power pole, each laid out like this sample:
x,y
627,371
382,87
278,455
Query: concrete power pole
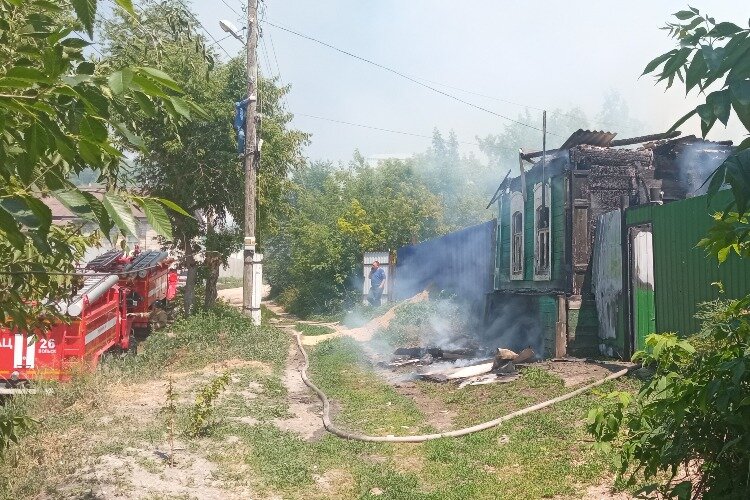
x,y
252,277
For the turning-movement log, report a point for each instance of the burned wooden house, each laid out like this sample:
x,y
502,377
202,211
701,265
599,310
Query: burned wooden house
x,y
547,222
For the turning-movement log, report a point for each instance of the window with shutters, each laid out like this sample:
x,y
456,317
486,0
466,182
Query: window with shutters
x,y
542,234
542,240
516,236
517,243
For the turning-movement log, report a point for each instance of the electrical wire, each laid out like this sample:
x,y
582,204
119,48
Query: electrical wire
x,y
195,18
372,127
232,8
403,75
263,9
218,41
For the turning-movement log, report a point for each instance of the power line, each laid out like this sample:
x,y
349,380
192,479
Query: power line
x,y
233,9
403,75
195,18
276,59
381,129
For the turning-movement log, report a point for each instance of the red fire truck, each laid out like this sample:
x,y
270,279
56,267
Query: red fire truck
x,y
118,296
150,283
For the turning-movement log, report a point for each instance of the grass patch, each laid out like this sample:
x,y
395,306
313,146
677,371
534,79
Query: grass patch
x,y
77,424
313,330
228,282
266,314
211,336
544,454
368,404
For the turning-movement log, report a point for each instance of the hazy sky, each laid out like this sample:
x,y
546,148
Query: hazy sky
x,y
542,54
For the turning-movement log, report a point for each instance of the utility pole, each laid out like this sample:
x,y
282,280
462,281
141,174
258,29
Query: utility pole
x,y
252,272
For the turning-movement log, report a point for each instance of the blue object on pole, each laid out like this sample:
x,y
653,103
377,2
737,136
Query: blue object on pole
x,y
240,112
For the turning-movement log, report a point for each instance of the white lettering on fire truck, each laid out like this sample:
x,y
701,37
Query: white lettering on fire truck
x,y
23,355
47,346
5,343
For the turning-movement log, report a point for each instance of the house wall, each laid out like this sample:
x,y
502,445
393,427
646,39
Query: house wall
x,y
532,302
516,321
558,225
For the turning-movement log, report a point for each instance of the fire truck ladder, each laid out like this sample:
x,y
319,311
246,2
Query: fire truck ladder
x,y
104,261
145,261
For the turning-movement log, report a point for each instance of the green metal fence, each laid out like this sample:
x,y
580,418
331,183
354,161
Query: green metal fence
x,y
684,275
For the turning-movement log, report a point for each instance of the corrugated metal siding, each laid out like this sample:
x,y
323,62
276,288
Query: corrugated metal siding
x,y
461,262
683,273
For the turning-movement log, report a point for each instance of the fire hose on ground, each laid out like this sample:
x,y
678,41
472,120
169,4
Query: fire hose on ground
x,y
420,438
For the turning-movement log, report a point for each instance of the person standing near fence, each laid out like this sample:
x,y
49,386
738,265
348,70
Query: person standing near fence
x,y
377,284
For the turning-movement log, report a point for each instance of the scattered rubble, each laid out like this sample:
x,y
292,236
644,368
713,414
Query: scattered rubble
x,y
440,365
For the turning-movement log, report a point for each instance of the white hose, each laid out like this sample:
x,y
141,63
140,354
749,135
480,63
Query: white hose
x,y
330,427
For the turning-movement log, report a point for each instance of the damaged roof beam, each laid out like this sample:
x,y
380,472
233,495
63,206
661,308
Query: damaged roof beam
x,y
618,142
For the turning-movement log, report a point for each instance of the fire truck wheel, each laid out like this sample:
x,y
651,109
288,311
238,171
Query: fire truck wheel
x,y
158,319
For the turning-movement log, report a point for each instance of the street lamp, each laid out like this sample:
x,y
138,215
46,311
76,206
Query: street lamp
x,y
230,28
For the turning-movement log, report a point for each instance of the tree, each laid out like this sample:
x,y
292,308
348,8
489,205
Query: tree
x,y
61,113
502,149
615,116
199,168
713,55
337,214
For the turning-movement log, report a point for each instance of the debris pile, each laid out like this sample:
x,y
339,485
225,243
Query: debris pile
x,y
440,365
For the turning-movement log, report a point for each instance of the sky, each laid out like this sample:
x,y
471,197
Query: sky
x,y
540,54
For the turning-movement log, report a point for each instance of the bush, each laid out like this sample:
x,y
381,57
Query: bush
x,y
200,413
691,419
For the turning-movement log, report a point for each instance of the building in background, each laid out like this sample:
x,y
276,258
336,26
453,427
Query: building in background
x,y
146,238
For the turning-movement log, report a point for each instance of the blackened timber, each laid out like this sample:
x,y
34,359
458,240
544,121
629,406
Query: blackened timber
x,y
586,156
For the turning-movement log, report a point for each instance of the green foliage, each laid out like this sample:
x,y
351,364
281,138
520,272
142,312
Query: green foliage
x,y
60,116
199,168
11,429
312,330
206,336
727,234
693,414
200,413
715,56
170,410
336,216
426,323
